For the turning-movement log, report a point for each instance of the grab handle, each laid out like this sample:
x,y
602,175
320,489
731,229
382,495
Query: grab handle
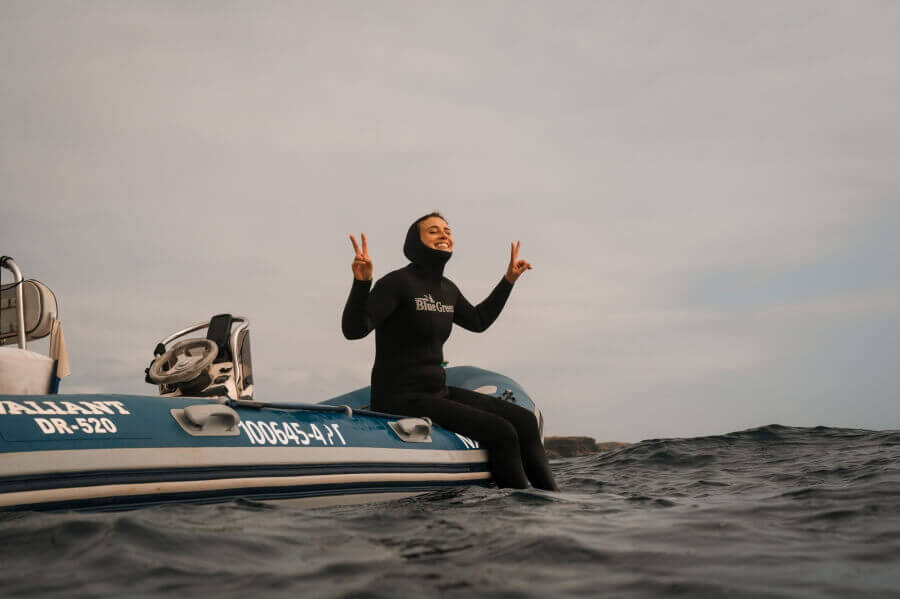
x,y
412,430
208,420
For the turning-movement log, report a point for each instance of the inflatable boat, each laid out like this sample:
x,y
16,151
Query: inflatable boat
x,y
205,438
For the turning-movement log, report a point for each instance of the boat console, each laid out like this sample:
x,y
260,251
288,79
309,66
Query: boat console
x,y
28,312
217,365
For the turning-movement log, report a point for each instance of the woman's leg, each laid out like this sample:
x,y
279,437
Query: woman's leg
x,y
496,433
531,448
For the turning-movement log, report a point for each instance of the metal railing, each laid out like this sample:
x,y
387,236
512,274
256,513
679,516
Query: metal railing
x,y
9,264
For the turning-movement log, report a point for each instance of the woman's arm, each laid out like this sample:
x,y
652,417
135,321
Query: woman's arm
x,y
479,318
364,311
516,267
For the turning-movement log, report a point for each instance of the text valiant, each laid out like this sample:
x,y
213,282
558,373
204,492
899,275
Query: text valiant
x,y
37,408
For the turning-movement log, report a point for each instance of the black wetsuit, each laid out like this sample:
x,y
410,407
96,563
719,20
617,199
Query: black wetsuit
x,y
412,311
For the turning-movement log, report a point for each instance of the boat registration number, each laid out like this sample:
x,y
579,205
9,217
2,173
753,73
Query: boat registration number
x,y
90,426
273,432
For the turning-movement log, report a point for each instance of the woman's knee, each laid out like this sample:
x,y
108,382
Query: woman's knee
x,y
525,423
504,434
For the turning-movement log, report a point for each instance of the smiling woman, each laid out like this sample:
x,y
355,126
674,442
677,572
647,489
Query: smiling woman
x,y
435,232
412,311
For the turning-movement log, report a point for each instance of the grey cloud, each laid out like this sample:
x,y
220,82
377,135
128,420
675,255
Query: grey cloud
x,y
708,192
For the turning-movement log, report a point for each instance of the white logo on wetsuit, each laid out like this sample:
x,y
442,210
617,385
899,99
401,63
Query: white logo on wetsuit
x,y
428,304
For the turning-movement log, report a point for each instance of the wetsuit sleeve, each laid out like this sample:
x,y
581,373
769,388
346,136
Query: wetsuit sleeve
x,y
480,317
366,310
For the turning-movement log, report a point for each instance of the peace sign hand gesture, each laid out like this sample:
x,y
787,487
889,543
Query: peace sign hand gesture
x,y
362,264
516,266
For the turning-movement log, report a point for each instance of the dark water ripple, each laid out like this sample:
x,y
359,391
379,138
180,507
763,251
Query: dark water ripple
x,y
770,512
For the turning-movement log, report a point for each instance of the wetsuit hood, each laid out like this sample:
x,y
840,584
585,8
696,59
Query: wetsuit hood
x,y
429,260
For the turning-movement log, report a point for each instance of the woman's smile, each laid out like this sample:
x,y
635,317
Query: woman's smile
x,y
435,234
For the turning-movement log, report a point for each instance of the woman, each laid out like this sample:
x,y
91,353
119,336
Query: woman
x,y
412,311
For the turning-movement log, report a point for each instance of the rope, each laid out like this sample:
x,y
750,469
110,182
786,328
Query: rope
x,y
11,285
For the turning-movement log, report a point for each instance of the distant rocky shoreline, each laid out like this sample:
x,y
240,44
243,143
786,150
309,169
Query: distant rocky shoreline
x,y
570,447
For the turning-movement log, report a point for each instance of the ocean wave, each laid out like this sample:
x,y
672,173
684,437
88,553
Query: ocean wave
x,y
773,511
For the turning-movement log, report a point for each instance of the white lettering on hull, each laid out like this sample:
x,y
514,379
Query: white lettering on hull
x,y
90,426
469,443
284,433
62,408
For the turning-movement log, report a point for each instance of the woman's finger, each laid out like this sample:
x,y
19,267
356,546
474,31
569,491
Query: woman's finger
x,y
365,248
355,247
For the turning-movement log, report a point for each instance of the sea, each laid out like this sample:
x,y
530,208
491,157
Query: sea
x,y
771,512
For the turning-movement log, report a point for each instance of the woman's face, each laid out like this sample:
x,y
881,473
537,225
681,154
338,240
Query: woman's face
x,y
435,234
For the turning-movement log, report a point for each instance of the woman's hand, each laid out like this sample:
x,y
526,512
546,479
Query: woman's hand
x,y
516,266
362,264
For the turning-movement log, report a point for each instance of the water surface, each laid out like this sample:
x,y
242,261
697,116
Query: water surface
x,y
769,512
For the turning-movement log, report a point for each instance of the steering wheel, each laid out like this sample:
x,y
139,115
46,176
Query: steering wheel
x,y
184,361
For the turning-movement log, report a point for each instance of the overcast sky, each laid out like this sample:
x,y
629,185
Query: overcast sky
x,y
709,192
